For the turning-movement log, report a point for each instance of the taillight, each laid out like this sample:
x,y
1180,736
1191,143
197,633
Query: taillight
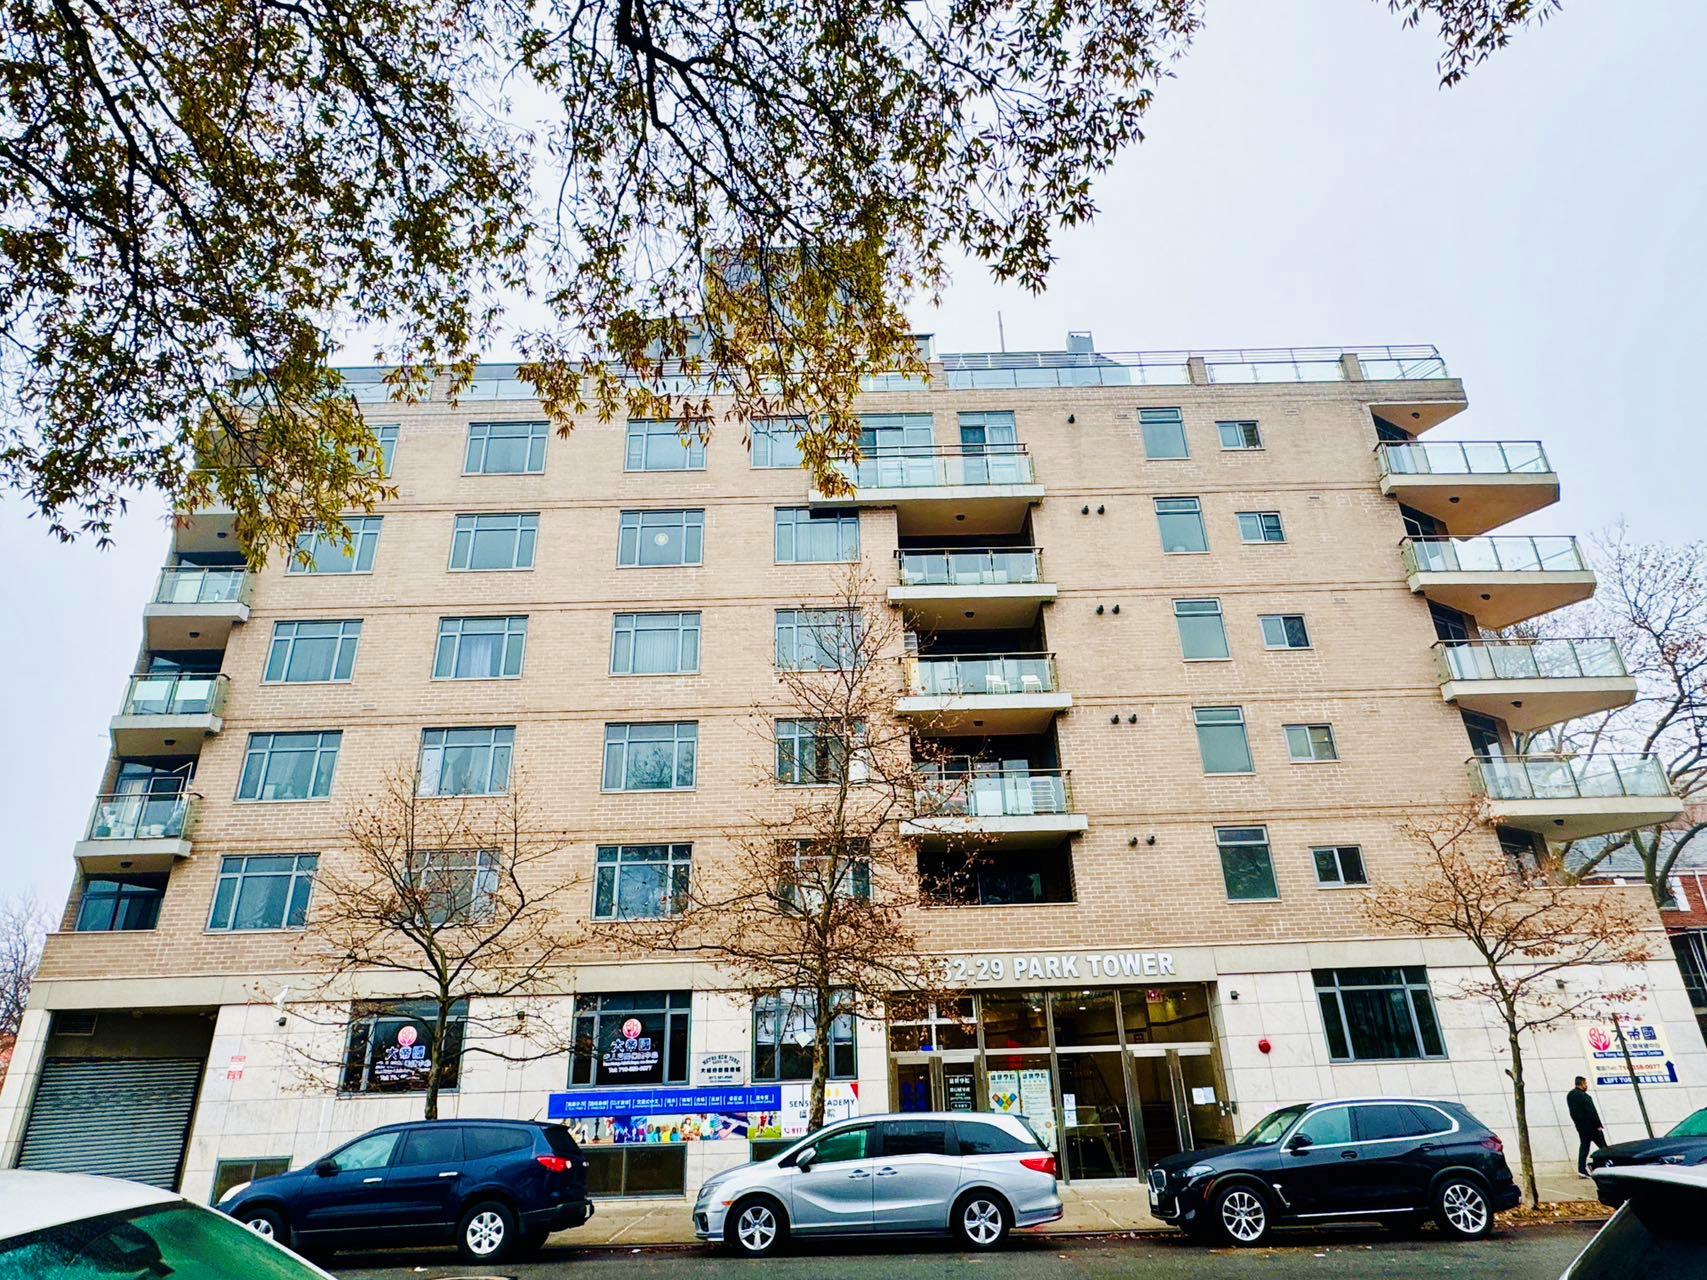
x,y
1492,1143
557,1164
1043,1164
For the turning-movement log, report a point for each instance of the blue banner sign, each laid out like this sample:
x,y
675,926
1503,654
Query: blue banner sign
x,y
662,1102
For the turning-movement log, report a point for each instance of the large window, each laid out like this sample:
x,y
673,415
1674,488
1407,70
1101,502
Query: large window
x,y
1375,1015
289,766
816,872
654,644
466,762
1202,631
651,757
1247,867
1260,526
1017,877
783,1030
1284,631
506,448
776,442
1221,739
641,881
812,752
313,652
490,543
318,553
661,446
387,437
631,1039
480,648
805,536
654,539
263,891
817,639
1181,524
390,1047
1164,433
116,904
1311,743
457,885
1339,866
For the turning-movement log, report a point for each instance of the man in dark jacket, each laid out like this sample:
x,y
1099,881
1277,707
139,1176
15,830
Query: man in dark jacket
x,y
1586,1118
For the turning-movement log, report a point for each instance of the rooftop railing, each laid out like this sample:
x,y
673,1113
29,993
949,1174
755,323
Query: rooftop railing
x,y
993,793
920,467
1007,370
1505,554
1463,458
969,567
141,816
1569,777
178,693
202,586
951,676
1594,657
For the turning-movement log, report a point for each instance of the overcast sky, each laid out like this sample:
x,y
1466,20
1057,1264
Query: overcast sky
x,y
1304,182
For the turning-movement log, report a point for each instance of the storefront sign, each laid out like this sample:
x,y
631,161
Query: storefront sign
x,y
630,1052
789,1119
1649,1053
719,1069
1027,1093
661,1102
234,1068
960,1089
405,1061
1058,966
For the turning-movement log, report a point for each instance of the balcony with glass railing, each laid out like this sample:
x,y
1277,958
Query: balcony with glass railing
x,y
942,489
168,713
1499,580
195,608
1531,684
994,805
957,694
137,830
961,587
1570,797
1471,486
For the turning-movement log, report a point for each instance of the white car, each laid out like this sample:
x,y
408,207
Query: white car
x,y
72,1226
1659,1231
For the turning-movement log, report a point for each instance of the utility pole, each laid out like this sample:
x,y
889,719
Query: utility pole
x,y
1630,1066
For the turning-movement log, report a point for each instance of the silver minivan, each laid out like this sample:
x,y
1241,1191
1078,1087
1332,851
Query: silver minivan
x,y
974,1175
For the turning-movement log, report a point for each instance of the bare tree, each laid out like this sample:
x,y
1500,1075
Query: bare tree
x,y
1529,930
23,929
451,902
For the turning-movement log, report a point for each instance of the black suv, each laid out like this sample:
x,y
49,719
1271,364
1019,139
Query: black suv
x,y
1394,1160
493,1187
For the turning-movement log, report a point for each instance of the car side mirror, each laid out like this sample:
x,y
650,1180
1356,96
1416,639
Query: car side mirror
x,y
804,1158
1299,1142
326,1168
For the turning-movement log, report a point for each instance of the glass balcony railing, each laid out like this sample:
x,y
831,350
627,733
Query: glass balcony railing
x,y
1464,458
1506,554
1529,659
141,816
1009,370
202,586
1561,777
993,792
984,673
174,694
907,467
954,567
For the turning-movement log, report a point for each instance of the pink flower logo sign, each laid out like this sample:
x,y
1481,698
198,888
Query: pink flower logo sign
x,y
631,1029
407,1035
1599,1040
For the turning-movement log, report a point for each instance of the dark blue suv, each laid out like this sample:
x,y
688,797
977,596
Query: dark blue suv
x,y
493,1187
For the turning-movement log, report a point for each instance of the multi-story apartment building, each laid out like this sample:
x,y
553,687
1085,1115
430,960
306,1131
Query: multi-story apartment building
x,y
1205,627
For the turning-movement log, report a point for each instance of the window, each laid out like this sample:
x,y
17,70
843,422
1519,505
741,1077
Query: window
x,y
1338,866
438,1145
466,762
776,442
289,766
652,539
312,652
117,904
456,885
1284,631
1018,877
1221,739
480,648
783,1027
981,1138
1164,433
484,544
1383,1014
1260,526
817,639
265,891
661,446
1181,523
812,752
805,536
845,1144
1329,1127
371,1152
1246,865
641,881
1202,632
319,553
1389,1120
229,1173
505,448
483,1141
1310,743
387,437
915,1138
631,1039
816,874
650,757
654,644
390,1050
1239,435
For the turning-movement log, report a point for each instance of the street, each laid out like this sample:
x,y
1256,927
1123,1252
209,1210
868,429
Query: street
x,y
1533,1253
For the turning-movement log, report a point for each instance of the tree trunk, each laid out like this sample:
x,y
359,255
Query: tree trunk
x,y
820,1062
435,1062
1520,1106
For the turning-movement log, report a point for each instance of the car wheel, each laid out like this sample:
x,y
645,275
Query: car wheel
x,y
1462,1210
1241,1214
488,1232
981,1220
755,1227
268,1223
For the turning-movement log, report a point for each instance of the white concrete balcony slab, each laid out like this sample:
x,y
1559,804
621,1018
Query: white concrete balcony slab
x,y
995,808
971,694
939,490
137,832
168,713
196,608
986,588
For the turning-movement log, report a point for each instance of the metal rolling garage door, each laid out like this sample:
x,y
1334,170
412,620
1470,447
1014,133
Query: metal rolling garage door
x,y
124,1119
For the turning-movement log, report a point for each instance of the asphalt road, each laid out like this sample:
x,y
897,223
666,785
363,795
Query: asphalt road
x,y
1531,1253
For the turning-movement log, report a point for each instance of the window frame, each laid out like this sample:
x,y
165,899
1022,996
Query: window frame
x,y
266,752
1338,852
393,1011
1226,654
639,515
526,530
146,887
1224,842
509,632
364,543
1263,619
843,518
299,884
677,740
674,1006
1240,424
819,731
677,864
769,430
692,451
1262,519
1202,525
848,638
497,746
287,632
683,630
466,899
539,432
1408,984
781,1018
1153,417
1314,733
1199,724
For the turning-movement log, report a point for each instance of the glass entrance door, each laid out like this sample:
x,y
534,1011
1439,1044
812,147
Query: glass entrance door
x,y
938,1082
1096,1118
1159,1113
1207,1107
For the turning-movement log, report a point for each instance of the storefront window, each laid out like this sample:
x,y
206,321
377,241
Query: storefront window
x,y
632,1039
783,1031
1166,1015
946,1024
1373,1014
390,1047
1015,1020
1085,1017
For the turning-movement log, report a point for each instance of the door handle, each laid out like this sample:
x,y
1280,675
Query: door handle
x,y
365,1181
1425,1146
887,1172
1348,1155
860,1173
448,1173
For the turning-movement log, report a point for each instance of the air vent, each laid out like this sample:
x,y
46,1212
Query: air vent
x,y
73,1022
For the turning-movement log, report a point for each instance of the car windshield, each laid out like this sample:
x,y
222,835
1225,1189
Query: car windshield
x,y
1271,1126
1693,1126
180,1240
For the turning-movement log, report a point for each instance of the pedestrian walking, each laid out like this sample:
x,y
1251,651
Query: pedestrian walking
x,y
1586,1117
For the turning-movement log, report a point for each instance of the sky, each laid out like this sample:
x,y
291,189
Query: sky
x,y
1304,181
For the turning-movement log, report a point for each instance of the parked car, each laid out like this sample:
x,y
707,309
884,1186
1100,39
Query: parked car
x,y
1394,1160
74,1224
975,1176
1684,1143
1658,1233
491,1187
